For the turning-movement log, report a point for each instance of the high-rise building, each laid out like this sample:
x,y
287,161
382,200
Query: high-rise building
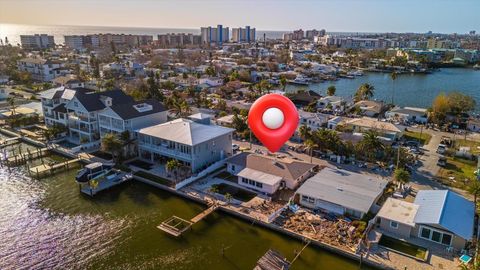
x,y
99,40
37,42
215,35
178,39
298,34
246,34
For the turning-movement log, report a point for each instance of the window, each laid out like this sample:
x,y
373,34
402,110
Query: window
x,y
259,185
75,104
436,236
425,233
308,199
233,167
244,180
394,224
447,239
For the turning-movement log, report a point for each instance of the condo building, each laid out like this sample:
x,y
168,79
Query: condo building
x,y
246,34
37,42
215,35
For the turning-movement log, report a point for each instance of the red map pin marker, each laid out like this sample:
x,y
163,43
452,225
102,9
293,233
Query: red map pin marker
x,y
273,119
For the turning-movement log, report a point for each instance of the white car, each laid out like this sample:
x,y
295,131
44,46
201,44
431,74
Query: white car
x,y
235,147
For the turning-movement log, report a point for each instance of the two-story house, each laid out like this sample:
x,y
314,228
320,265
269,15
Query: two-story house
x,y
40,69
193,144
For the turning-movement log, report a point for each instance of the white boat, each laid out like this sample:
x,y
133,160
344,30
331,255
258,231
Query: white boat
x,y
301,80
477,67
355,73
93,171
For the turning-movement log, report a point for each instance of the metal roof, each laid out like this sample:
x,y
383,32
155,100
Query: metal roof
x,y
447,209
185,131
260,177
348,189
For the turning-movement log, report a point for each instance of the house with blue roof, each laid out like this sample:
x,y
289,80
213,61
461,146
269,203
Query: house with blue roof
x,y
441,217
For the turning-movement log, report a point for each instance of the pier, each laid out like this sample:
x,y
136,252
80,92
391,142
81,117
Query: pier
x,y
45,169
28,155
10,141
176,226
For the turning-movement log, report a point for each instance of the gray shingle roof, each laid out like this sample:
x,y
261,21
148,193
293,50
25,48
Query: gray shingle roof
x,y
127,110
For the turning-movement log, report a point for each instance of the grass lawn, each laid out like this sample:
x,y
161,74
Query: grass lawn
x,y
459,168
237,193
474,146
403,247
154,178
227,176
423,138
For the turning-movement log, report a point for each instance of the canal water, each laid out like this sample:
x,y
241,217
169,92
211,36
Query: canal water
x,y
47,224
414,90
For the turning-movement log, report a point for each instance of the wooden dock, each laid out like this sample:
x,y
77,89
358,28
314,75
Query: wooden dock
x,y
10,141
176,226
272,260
44,169
22,158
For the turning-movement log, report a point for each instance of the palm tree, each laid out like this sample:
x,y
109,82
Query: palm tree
x,y
309,145
304,132
111,144
401,176
393,76
370,144
228,197
283,83
474,189
11,103
365,92
213,189
331,90
172,166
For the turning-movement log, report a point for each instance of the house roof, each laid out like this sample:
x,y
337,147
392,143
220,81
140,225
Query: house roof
x,y
373,123
351,190
370,105
200,116
92,101
399,211
137,109
52,93
265,178
185,131
446,209
289,170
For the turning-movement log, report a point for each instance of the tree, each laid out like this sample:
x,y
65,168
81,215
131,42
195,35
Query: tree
x,y
365,92
112,144
401,176
11,103
228,197
304,132
213,189
283,82
331,90
393,76
370,145
474,189
310,145
172,166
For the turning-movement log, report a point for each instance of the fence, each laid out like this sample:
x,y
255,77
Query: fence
x,y
215,166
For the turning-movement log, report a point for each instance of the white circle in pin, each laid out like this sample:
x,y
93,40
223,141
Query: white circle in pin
x,y
273,118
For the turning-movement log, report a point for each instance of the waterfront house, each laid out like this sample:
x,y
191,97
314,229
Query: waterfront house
x,y
40,69
386,130
440,218
303,98
341,192
334,103
79,110
267,175
370,108
131,116
407,115
193,144
313,121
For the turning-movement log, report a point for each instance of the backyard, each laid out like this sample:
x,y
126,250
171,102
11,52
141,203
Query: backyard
x,y
227,176
403,247
474,146
423,138
458,172
154,178
237,193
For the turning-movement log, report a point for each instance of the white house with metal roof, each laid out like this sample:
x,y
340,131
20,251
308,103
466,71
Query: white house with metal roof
x,y
341,192
441,217
193,144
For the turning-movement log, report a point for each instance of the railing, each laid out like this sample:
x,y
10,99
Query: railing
x,y
165,150
77,117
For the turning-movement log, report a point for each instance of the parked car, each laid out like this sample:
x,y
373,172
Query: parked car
x,y
441,149
442,161
235,147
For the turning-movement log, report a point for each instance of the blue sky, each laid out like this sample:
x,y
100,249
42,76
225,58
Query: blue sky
x,y
446,16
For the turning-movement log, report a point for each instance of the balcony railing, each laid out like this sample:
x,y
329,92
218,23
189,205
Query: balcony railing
x,y
77,117
167,151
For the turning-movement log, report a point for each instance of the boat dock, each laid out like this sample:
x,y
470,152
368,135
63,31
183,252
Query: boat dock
x,y
9,141
272,260
28,155
176,226
93,187
44,169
